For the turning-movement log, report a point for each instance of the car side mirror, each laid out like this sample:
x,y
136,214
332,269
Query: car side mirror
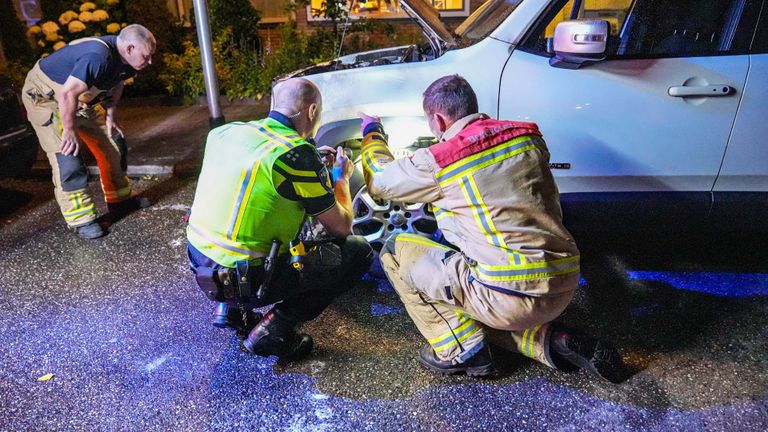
x,y
579,42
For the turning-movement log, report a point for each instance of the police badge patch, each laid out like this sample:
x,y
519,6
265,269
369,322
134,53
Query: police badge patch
x,y
325,178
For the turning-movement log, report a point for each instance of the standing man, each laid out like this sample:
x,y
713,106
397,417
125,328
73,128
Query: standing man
x,y
76,90
258,183
511,265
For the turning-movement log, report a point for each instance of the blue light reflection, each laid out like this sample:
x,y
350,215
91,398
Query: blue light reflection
x,y
719,284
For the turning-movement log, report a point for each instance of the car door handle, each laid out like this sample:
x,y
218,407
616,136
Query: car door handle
x,y
710,90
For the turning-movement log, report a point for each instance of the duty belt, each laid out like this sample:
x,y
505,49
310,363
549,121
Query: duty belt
x,y
224,284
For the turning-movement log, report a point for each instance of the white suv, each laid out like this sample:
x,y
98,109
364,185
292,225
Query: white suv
x,y
637,99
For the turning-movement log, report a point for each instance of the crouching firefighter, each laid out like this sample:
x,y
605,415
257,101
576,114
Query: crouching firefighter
x,y
509,267
258,182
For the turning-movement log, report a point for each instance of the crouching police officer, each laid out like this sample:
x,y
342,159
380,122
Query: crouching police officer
x,y
259,181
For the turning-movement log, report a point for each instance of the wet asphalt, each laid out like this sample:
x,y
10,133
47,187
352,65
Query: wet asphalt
x,y
127,335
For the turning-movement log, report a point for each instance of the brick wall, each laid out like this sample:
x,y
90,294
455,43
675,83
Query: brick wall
x,y
393,32
271,40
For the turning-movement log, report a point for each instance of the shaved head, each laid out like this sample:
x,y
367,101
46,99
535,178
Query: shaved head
x,y
299,100
294,95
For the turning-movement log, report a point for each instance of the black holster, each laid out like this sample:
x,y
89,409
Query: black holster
x,y
218,285
233,286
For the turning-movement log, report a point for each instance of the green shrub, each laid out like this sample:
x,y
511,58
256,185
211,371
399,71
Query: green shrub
x,y
155,16
54,8
290,56
183,73
14,43
15,71
238,17
246,75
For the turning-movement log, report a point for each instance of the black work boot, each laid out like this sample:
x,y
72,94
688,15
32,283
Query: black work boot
x,y
478,365
89,231
276,335
232,317
570,347
123,208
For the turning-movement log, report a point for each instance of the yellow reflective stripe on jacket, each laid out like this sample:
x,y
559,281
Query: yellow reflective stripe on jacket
x,y
480,212
373,145
70,216
526,347
453,337
528,271
370,164
120,193
78,210
413,238
484,220
532,338
77,203
440,213
368,155
485,158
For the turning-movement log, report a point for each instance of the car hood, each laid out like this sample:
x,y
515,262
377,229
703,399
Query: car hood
x,y
428,19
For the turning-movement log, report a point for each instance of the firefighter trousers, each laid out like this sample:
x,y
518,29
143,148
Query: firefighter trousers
x,y
70,176
455,312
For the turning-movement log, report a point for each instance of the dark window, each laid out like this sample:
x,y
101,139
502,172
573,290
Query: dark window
x,y
760,45
659,28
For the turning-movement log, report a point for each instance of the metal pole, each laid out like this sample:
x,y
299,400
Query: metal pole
x,y
209,65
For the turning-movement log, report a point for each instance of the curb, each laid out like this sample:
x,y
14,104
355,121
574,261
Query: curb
x,y
179,170
138,170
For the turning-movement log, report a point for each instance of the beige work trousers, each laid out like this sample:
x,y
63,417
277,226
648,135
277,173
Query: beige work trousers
x,y
453,311
70,176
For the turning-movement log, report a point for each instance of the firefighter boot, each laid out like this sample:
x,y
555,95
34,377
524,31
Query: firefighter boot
x,y
478,365
89,231
277,335
121,209
570,348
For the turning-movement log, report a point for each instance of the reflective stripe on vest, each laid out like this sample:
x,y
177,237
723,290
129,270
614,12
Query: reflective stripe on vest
x,y
229,247
237,211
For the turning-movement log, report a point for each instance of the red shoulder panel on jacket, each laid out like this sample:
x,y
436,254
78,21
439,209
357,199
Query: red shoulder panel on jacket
x,y
478,136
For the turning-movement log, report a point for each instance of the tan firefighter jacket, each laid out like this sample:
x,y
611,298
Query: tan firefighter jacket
x,y
494,197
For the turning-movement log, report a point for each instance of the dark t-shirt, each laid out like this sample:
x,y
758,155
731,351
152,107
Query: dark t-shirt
x,y
95,63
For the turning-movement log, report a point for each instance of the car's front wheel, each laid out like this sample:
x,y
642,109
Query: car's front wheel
x,y
377,219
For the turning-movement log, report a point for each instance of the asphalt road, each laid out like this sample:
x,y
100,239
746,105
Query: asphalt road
x,y
126,334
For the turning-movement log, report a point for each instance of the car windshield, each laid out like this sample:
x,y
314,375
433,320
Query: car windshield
x,y
485,20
